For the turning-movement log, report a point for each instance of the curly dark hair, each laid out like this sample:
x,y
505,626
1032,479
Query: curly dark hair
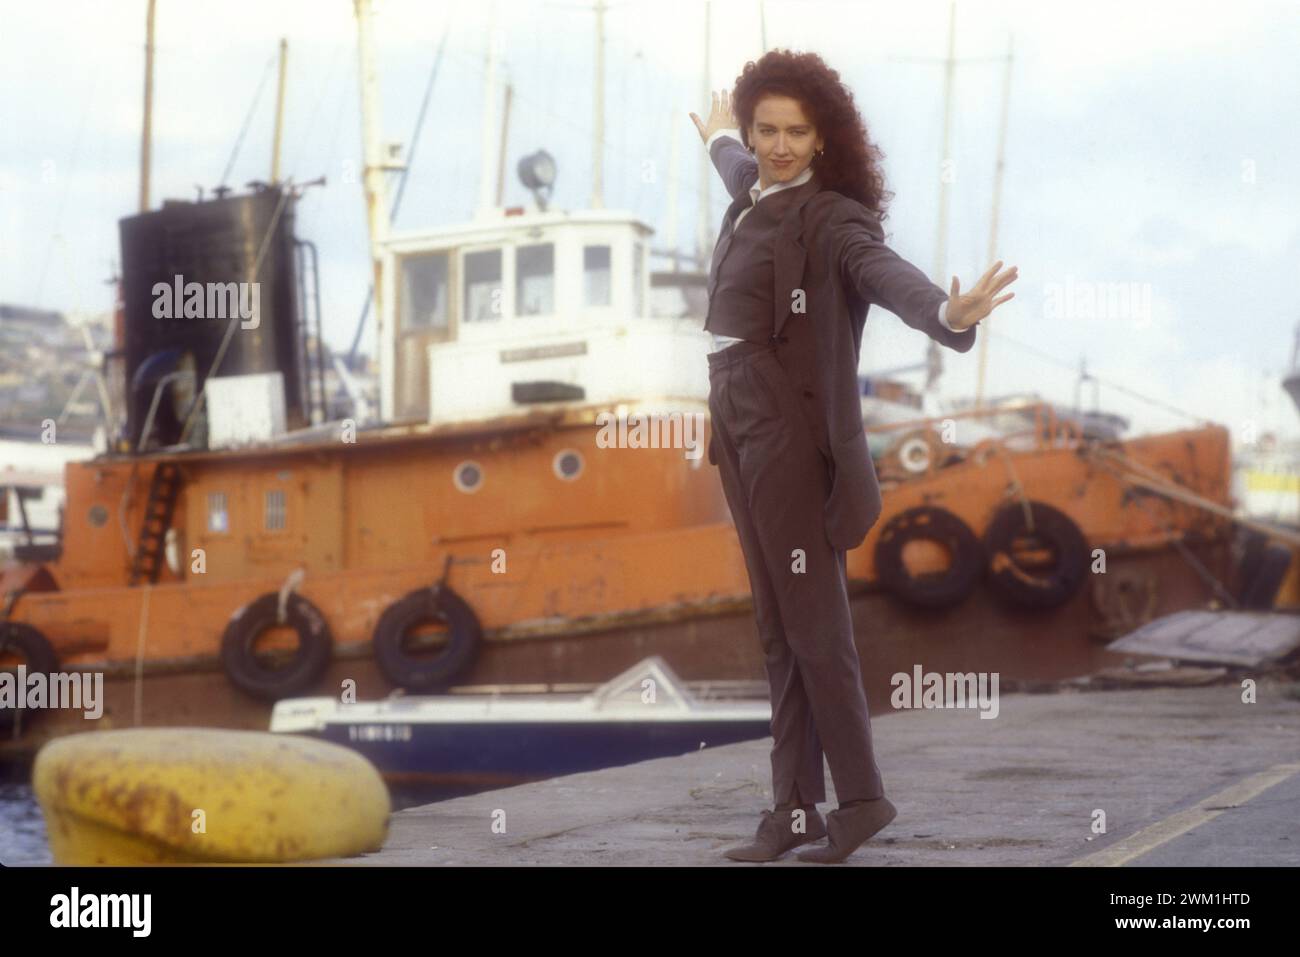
x,y
850,162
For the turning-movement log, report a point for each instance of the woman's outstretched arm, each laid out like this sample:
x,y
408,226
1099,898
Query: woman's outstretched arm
x,y
737,168
880,275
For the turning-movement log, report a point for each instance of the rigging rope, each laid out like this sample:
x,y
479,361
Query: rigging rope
x,y
248,118
1136,473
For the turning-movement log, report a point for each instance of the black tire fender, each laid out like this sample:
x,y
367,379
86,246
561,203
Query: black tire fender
x,y
315,647
1268,575
939,525
37,654
436,603
1054,530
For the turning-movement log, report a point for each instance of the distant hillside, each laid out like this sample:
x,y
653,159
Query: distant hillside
x,y
42,358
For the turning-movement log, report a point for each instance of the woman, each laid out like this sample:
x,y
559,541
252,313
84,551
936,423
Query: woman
x,y
798,262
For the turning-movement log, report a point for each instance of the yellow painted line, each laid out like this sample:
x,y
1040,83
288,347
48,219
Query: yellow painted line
x,y
1171,827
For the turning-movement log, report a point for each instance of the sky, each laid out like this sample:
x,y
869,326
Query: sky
x,y
1150,192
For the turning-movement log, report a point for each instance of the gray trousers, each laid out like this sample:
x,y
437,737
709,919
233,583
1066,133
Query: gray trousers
x,y
776,481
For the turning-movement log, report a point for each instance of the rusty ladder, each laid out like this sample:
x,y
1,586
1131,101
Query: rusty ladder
x,y
163,489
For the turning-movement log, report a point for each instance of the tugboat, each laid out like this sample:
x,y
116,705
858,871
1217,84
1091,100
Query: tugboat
x,y
233,552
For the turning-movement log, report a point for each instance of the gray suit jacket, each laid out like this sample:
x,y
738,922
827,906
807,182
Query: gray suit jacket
x,y
832,248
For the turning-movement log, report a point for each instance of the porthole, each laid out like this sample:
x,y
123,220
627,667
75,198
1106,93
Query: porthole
x,y
567,464
468,476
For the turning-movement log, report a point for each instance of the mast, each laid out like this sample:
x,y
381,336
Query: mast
x,y
501,152
598,121
376,199
997,206
489,116
670,216
146,135
703,234
279,114
934,356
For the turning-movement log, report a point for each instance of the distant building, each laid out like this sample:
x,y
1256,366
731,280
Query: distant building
x,y
22,315
43,360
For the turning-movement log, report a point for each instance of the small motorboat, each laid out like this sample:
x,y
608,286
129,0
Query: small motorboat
x,y
498,739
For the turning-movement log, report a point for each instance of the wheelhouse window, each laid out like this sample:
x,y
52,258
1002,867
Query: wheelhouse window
x,y
535,280
596,276
483,288
424,292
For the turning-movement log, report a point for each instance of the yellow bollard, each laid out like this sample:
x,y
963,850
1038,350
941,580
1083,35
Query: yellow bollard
x,y
198,795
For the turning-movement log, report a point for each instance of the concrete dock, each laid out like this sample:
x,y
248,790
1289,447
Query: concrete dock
x,y
1184,776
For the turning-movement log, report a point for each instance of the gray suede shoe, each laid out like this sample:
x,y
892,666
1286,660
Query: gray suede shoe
x,y
849,828
776,834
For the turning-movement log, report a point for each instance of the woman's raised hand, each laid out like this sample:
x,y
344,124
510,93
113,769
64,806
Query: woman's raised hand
x,y
721,117
966,309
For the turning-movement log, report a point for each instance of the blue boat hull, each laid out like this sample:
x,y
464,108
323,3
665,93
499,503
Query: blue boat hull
x,y
499,752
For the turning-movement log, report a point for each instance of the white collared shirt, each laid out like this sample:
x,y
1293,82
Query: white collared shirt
x,y
756,193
